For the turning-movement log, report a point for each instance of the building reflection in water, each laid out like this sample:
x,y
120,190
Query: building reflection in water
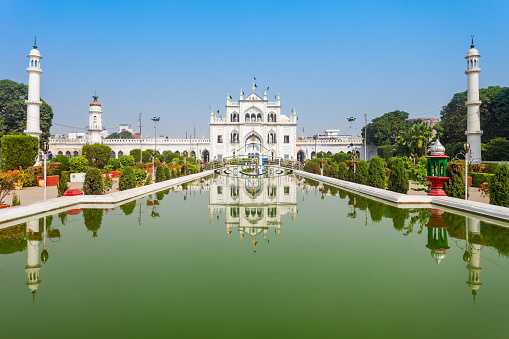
x,y
473,254
253,205
437,235
33,267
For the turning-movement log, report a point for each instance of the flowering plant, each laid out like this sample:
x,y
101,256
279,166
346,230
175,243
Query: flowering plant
x,y
6,185
483,188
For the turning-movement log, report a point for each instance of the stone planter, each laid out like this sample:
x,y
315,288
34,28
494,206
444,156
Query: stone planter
x,y
5,206
51,180
77,177
72,192
114,174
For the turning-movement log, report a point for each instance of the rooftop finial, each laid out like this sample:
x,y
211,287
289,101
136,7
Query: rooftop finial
x,y
35,42
472,45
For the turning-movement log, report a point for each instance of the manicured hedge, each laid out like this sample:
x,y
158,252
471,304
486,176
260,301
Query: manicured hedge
x,y
480,178
19,151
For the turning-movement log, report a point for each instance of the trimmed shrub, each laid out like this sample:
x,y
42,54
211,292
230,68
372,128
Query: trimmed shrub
x,y
97,155
312,167
15,200
79,164
480,178
93,218
127,179
148,180
455,186
398,179
135,153
376,173
19,151
167,175
139,175
113,164
65,164
66,175
62,184
361,172
159,173
127,160
491,168
342,170
499,187
93,184
147,156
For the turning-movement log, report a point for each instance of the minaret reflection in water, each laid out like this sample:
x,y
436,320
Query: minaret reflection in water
x,y
253,205
33,267
473,254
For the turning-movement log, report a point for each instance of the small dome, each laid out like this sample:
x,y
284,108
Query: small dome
x,y
438,255
437,148
95,102
473,51
34,52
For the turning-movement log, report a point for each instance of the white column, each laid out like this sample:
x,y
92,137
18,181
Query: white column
x,y
473,103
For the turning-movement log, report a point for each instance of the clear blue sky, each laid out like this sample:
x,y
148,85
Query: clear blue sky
x,y
329,60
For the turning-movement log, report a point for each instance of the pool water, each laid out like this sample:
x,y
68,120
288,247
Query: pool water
x,y
229,257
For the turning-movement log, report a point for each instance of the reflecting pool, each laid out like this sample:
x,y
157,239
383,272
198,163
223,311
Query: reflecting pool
x,y
231,257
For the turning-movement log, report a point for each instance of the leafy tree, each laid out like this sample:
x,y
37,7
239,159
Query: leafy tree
x,y
121,135
452,150
93,184
136,154
97,155
499,186
13,110
113,164
19,151
342,171
340,157
127,179
497,149
376,173
160,173
386,129
361,173
312,167
416,138
398,179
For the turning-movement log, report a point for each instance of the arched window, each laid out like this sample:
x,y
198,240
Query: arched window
x,y
35,63
247,117
75,154
253,117
234,138
193,154
313,154
259,117
68,154
60,153
113,155
120,153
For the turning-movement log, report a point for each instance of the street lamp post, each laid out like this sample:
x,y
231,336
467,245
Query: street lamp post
x,y
466,148
153,166
45,148
155,120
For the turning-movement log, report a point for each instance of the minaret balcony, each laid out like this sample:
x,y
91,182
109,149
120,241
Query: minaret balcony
x,y
34,70
473,70
33,102
94,128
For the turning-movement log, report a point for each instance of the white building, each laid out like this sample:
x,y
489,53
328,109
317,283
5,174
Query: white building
x,y
125,127
253,127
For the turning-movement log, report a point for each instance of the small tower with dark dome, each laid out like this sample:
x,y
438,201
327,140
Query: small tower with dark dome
x,y
95,126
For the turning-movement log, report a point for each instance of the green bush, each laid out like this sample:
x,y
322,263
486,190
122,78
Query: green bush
x,y
480,178
15,200
127,179
312,167
139,175
127,160
147,156
398,179
66,175
148,180
498,187
19,151
361,172
386,151
135,153
497,149
93,218
113,164
93,184
62,184
159,173
455,186
491,167
78,164
342,171
376,173
167,175
65,164
97,155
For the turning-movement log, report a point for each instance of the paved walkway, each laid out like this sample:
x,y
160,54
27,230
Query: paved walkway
x,y
474,193
31,195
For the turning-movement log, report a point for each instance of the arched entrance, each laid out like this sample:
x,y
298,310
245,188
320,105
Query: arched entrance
x,y
205,156
253,145
301,156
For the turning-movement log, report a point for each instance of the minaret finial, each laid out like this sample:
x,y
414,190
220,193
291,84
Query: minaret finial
x,y
35,42
472,45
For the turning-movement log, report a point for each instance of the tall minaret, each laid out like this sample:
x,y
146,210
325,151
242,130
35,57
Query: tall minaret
x,y
34,93
95,126
473,131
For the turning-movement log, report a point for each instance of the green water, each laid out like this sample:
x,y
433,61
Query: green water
x,y
341,266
